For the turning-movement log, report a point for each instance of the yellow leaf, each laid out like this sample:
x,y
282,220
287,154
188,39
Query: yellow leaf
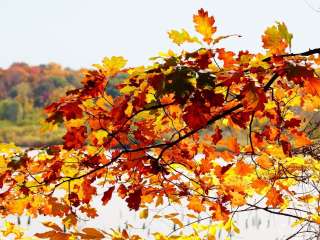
x,y
297,222
316,218
230,226
144,213
75,122
182,37
104,102
100,135
129,109
257,61
111,66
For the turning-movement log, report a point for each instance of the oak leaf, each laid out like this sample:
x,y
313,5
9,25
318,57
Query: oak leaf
x,y
204,25
134,199
181,37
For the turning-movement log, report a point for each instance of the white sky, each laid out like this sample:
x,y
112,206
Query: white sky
x,y
78,33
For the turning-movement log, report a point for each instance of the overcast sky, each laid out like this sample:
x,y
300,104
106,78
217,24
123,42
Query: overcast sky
x,y
78,33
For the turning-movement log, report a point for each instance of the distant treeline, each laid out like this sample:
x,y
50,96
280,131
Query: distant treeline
x,y
24,91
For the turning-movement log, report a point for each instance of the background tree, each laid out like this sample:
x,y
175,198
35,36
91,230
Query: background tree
x,y
219,132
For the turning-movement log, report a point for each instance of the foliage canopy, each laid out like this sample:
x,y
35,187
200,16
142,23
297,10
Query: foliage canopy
x,y
224,132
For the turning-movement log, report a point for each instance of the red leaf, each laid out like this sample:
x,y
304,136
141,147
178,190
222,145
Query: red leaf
x,y
107,195
74,199
195,116
134,199
88,190
217,136
294,122
286,147
75,137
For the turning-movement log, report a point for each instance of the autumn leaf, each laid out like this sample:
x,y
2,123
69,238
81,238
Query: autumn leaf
x,y
204,25
229,144
277,38
227,57
274,198
194,117
52,225
195,204
111,66
92,233
107,195
90,212
219,38
217,136
254,98
176,221
75,137
134,199
243,169
144,213
312,86
53,235
88,190
264,162
259,185
237,199
219,212
182,37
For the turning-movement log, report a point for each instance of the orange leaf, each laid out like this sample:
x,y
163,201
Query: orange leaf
x,y
254,98
264,162
259,185
277,38
219,212
93,233
229,144
204,25
237,199
176,221
312,86
54,235
243,168
195,204
53,226
226,57
274,198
